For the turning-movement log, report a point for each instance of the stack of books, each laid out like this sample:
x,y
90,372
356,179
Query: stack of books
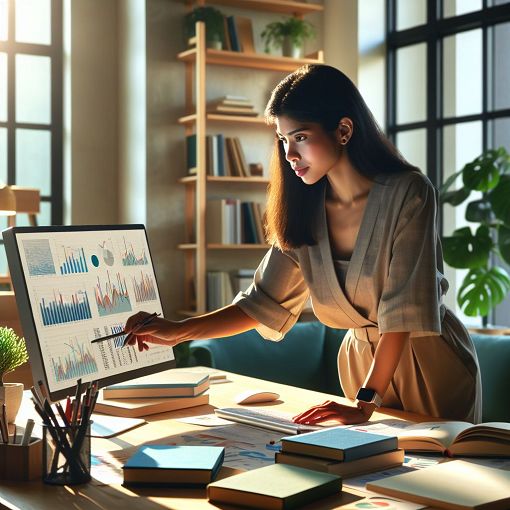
x,y
341,451
233,105
157,393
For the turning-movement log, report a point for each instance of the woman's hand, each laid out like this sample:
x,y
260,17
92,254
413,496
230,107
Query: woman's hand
x,y
157,331
332,411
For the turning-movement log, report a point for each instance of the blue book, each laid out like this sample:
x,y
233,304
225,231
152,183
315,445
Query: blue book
x,y
158,465
339,443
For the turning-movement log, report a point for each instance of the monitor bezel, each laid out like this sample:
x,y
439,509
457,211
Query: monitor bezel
x,y
27,317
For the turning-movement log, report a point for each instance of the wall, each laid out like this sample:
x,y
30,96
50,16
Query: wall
x,y
90,130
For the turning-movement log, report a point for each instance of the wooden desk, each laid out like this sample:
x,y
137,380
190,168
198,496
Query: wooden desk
x,y
98,496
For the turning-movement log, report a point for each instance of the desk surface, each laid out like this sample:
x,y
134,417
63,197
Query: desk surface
x,y
98,496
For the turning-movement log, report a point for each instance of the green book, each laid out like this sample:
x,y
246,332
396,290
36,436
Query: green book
x,y
277,486
162,465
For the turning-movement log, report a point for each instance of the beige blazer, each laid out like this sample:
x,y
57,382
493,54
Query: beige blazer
x,y
394,283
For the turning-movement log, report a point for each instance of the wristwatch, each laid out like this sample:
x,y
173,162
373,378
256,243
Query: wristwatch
x,y
369,396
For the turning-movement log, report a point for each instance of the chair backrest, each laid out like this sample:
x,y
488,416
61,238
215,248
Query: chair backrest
x,y
494,358
296,360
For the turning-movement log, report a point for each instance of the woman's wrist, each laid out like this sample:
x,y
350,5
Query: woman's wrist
x,y
366,408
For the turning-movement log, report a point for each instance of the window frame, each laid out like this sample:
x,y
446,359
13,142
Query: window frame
x,y
55,52
432,34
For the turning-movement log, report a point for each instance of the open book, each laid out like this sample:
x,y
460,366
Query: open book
x,y
457,438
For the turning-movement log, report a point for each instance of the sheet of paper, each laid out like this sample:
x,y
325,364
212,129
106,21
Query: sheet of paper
x,y
381,503
205,420
411,463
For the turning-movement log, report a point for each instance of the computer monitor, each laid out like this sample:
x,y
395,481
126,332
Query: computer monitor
x,y
74,284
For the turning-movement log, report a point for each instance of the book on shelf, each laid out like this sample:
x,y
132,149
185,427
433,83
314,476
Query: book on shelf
x,y
219,290
457,438
241,157
233,37
371,464
276,486
165,384
339,443
453,485
137,407
157,465
235,110
191,154
242,279
244,29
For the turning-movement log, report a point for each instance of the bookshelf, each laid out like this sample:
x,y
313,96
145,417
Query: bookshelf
x,y
199,187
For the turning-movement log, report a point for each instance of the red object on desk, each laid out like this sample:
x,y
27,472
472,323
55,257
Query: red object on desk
x,y
69,408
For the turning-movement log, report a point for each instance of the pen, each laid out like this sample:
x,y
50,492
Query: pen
x,y
4,424
108,337
146,321
28,432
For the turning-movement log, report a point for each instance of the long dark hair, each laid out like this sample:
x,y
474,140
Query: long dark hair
x,y
321,94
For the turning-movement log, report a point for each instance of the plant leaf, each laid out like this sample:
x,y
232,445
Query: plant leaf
x,y
504,242
479,211
465,250
483,289
499,198
455,197
446,184
482,173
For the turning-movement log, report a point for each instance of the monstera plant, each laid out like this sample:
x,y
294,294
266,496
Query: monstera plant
x,y
478,250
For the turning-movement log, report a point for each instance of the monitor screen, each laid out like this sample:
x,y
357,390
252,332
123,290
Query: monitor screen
x,y
75,284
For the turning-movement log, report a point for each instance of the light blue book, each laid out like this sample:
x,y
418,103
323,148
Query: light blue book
x,y
339,443
159,465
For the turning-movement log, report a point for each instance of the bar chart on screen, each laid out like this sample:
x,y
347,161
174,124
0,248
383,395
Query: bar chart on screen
x,y
74,260
75,359
60,307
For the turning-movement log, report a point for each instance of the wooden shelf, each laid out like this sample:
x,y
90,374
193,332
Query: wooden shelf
x,y
217,117
279,6
250,60
187,246
191,179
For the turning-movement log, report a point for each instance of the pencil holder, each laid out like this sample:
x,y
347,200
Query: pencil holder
x,y
19,462
66,455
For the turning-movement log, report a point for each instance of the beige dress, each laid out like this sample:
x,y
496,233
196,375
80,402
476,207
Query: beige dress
x,y
393,283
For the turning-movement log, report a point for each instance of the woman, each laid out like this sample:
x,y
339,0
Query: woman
x,y
353,226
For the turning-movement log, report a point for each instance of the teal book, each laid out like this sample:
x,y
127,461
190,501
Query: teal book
x,y
339,443
274,487
166,465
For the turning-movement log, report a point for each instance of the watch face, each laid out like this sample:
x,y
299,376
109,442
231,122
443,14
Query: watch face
x,y
365,394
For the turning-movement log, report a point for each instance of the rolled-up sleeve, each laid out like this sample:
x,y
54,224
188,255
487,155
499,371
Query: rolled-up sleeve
x,y
411,299
277,294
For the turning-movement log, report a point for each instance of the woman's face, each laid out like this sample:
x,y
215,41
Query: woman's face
x,y
311,151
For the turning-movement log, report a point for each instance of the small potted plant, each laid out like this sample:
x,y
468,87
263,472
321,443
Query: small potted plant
x,y
13,353
289,35
485,285
214,25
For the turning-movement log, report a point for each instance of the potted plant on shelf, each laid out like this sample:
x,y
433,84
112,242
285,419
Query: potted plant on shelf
x,y
13,353
214,25
290,35
486,284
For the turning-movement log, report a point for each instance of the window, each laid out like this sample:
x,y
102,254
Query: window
x,y
31,103
448,96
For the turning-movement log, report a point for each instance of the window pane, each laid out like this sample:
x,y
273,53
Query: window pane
x,y
3,155
33,104
33,159
3,260
33,21
4,17
3,87
411,14
501,66
413,146
458,7
411,83
501,133
462,74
